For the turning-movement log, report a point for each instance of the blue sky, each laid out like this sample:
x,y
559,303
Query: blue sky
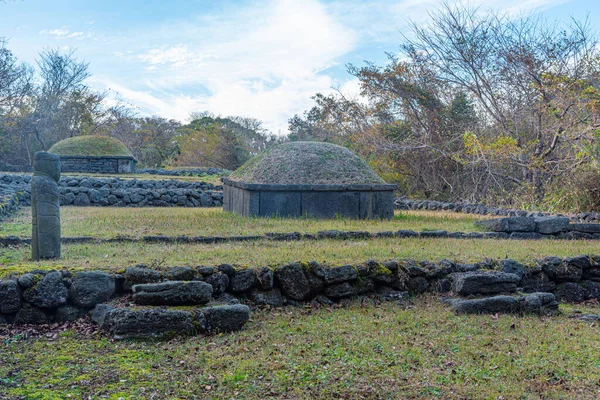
x,y
262,59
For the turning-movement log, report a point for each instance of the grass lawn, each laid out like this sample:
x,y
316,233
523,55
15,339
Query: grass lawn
x,y
107,222
114,256
362,351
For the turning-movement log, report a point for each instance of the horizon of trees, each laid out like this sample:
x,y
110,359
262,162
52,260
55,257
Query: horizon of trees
x,y
476,105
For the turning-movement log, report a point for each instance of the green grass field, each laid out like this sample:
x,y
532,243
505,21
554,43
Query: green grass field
x,y
107,222
360,351
419,349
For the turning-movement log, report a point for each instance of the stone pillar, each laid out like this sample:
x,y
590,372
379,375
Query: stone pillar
x,y
45,206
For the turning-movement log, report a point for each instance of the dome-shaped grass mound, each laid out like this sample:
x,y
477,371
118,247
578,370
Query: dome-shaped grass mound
x,y
90,146
306,163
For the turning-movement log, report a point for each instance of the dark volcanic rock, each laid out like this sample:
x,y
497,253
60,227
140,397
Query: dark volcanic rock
x,y
293,281
10,297
91,287
50,292
552,224
332,275
70,313
173,293
272,298
559,271
417,285
137,275
510,224
126,323
570,292
243,280
219,283
226,318
536,281
485,283
490,305
592,289
28,314
513,267
181,274
266,278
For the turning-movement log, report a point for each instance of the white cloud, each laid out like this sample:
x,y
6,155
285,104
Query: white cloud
x,y
264,59
265,62
63,33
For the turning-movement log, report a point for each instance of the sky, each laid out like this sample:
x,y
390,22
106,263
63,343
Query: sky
x,y
262,59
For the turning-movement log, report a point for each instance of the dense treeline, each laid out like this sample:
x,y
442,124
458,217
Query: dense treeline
x,y
42,105
477,106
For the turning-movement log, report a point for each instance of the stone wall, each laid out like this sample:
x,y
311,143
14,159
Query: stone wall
x,y
9,202
115,192
482,209
98,165
43,297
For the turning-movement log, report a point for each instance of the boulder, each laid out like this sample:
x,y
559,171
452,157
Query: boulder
x,y
485,283
559,271
70,313
551,225
417,285
509,224
125,323
50,292
226,318
10,297
172,293
243,280
26,281
345,289
539,303
272,298
181,274
137,275
490,305
28,314
513,267
536,281
570,292
333,275
294,283
91,287
219,283
592,289
266,278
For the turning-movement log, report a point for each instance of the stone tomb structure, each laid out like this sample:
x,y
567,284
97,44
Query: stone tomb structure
x,y
94,154
313,179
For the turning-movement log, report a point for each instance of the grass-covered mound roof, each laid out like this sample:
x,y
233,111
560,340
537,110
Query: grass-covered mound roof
x,y
90,145
306,163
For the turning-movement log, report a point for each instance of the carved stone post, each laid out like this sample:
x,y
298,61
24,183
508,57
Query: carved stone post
x,y
45,206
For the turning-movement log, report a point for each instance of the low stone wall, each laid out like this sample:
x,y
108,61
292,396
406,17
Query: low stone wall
x,y
98,165
482,209
115,192
44,297
9,202
555,227
184,172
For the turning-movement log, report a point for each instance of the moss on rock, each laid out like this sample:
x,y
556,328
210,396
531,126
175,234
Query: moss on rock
x,y
306,163
90,145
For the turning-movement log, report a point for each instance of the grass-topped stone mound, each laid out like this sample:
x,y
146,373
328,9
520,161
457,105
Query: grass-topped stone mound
x,y
308,179
94,154
306,163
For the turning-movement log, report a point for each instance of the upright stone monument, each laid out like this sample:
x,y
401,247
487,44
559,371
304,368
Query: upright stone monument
x,y
45,206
